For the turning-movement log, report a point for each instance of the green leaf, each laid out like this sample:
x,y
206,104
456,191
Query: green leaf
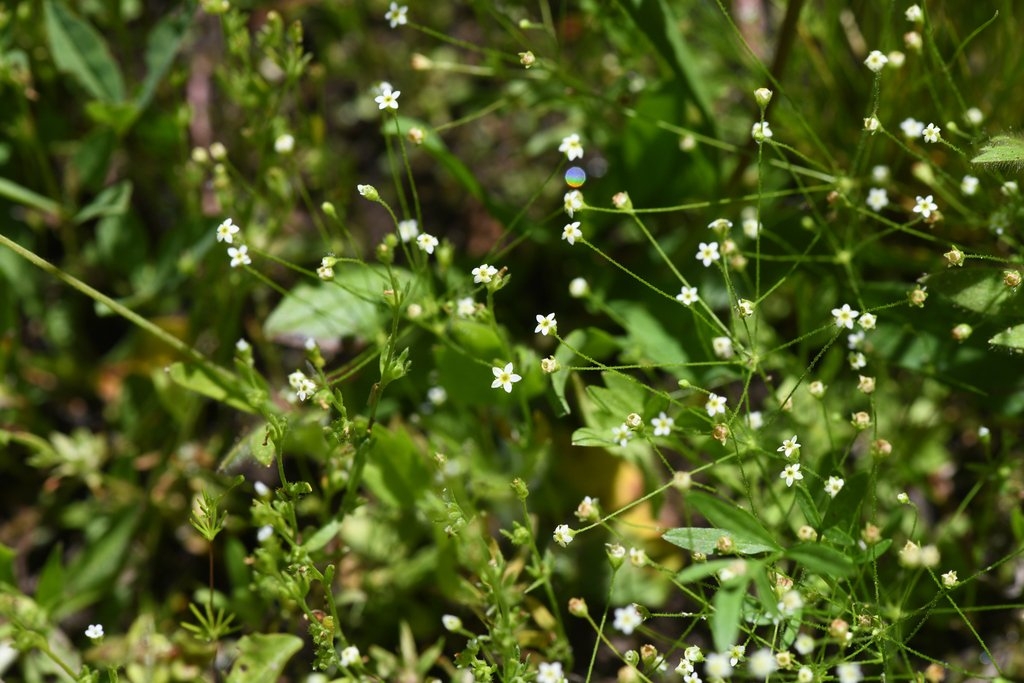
x,y
875,551
1012,338
725,620
699,570
50,587
99,564
350,306
844,510
977,289
1002,149
322,537
807,506
735,520
705,540
6,565
23,195
262,657
647,341
395,472
162,46
79,50
565,355
204,381
112,201
821,559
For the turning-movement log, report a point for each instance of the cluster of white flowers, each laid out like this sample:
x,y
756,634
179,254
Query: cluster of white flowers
x,y
304,387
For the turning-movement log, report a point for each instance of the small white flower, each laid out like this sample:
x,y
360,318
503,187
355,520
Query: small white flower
x,y
914,14
94,632
720,225
239,256
849,672
396,15
868,321
880,173
326,269
369,192
426,242
465,307
805,675
931,133
437,395
563,535
637,557
755,420
762,664
789,447
751,225
504,377
761,131
876,61
573,201
304,387
571,147
715,405
550,673
388,98
845,316
857,360
687,295
622,434
804,644
262,490
974,116
571,232
855,340
791,473
878,198
284,144
949,580
662,424
578,288
925,206
872,124
745,308
627,619
1009,188
736,653
722,347
350,656
969,185
484,273
716,665
912,128
226,231
408,230
451,622
833,486
264,532
791,601
546,324
707,253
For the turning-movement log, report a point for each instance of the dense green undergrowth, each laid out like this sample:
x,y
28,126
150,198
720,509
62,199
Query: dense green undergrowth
x,y
509,341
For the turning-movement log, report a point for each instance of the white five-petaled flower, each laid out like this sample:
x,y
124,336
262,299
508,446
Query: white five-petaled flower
x,y
722,346
789,447
484,273
350,656
761,131
388,98
949,580
573,201
550,672
720,225
717,666
876,61
284,143
834,485
791,473
931,133
396,15
845,316
868,321
914,14
857,360
571,147
687,295
304,387
563,535
571,232
627,619
504,377
715,405
408,230
662,424
546,324
762,664
94,632
226,231
465,307
849,672
878,198
426,242
707,253
912,128
239,256
622,434
925,206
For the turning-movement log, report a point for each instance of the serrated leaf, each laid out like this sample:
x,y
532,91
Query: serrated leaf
x,y
1011,337
705,540
977,289
1002,149
725,619
734,519
204,381
80,51
821,559
262,657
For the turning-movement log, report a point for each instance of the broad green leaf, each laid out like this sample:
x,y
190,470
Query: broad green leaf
x,y
977,289
395,472
821,559
350,306
99,563
162,46
262,657
1012,338
589,436
807,506
565,356
619,397
112,201
647,341
23,195
725,619
732,518
208,383
704,540
260,446
478,339
844,510
322,537
50,587
1002,149
700,570
79,50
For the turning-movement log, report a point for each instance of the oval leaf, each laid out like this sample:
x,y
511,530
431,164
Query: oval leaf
x,y
821,559
704,540
262,657
732,518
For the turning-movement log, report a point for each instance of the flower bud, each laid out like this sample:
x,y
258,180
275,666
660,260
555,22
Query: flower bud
x,y
762,96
